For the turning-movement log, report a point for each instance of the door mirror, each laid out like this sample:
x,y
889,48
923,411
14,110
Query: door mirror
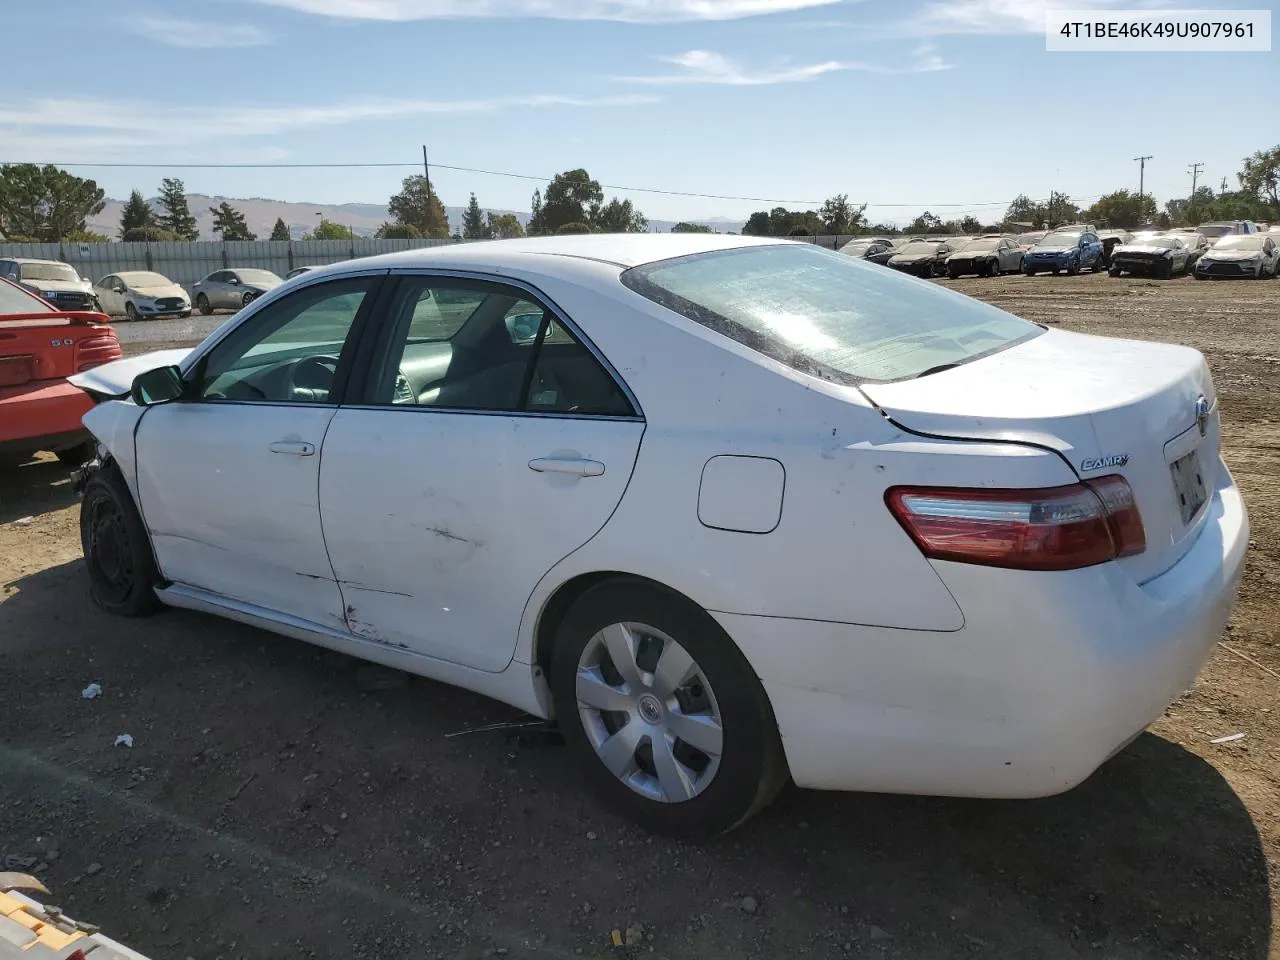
x,y
524,327
161,385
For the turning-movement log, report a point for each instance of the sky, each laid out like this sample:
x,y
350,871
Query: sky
x,y
948,105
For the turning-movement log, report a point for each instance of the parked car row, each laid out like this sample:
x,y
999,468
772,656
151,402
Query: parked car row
x,y
1241,250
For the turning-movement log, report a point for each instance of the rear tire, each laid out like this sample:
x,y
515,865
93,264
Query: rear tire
x,y
117,550
202,304
641,622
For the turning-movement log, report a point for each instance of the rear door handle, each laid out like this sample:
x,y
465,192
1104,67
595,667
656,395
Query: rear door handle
x,y
570,466
297,448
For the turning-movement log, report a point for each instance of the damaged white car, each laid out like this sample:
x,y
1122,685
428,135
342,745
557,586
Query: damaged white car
x,y
730,510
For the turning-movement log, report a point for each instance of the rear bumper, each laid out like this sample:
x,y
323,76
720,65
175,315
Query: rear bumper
x,y
1051,674
42,416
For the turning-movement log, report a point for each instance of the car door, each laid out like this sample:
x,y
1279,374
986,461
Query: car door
x,y
490,442
226,297
228,475
105,291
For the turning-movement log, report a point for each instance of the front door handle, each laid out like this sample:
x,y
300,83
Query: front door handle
x,y
297,448
570,466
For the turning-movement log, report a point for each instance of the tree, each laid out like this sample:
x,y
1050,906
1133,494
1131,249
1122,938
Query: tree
x,y
474,225
1024,210
504,226
45,203
229,223
1060,210
840,216
537,225
146,235
1122,210
281,230
569,199
326,229
1261,178
398,231
136,215
618,216
86,236
177,218
969,224
417,204
567,228
758,225
925,223
685,227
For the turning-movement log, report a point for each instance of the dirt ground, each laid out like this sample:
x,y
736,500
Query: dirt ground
x,y
280,800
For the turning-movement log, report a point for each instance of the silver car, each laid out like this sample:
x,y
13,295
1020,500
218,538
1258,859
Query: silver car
x,y
232,289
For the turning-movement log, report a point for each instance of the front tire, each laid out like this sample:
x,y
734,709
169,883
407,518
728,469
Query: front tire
x,y
1114,271
130,312
246,300
1164,270
117,551
203,305
665,713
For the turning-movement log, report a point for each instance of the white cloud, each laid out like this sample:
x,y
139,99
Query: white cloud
x,y
705,66
195,35
629,11
46,127
989,17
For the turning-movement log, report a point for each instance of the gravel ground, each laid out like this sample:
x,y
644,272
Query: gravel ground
x,y
280,800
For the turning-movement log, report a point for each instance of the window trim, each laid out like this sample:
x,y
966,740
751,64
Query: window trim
x,y
380,336
194,366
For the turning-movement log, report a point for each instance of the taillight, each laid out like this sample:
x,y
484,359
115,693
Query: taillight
x,y
95,351
1053,528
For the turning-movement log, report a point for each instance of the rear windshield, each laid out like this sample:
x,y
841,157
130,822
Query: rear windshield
x,y
828,315
14,300
47,271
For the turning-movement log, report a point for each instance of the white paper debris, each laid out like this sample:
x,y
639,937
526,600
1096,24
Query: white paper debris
x,y
24,521
1229,738
124,740
92,691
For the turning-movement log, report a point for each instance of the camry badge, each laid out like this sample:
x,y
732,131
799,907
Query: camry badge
x,y
1202,414
1115,460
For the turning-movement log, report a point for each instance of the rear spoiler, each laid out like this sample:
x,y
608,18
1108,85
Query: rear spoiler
x,y
85,317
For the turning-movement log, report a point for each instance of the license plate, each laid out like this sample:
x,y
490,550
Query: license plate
x,y
1188,485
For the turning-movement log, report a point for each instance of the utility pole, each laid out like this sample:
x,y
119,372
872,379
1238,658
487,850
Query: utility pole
x,y
1142,174
1195,169
426,172
1223,188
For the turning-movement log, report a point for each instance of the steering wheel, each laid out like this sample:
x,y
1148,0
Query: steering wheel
x,y
311,378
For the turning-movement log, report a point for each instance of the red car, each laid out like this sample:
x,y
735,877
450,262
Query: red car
x,y
40,347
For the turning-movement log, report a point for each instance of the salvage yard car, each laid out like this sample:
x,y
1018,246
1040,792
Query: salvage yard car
x,y
988,256
1197,243
1068,251
913,554
1161,256
1240,256
232,289
922,258
1227,228
141,295
53,281
876,249
39,348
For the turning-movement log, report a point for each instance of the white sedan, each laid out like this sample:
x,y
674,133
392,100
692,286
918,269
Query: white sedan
x,y
731,510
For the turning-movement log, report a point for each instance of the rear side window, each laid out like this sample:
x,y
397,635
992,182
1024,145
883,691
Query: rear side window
x,y
828,315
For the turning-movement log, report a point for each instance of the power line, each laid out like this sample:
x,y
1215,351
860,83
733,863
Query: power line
x,y
1195,169
514,176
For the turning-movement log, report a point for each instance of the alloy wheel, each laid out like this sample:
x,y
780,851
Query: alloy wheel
x,y
649,712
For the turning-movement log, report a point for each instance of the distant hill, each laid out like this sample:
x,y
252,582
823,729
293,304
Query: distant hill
x,y
363,218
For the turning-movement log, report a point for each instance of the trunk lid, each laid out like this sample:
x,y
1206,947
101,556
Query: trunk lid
x,y
1107,406
33,349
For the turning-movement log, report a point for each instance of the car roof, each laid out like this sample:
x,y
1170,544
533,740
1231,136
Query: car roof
x,y
619,249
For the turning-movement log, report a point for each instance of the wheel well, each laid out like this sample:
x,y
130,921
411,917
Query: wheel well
x,y
568,593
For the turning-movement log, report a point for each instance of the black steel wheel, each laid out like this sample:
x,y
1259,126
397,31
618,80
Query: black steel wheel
x,y
117,551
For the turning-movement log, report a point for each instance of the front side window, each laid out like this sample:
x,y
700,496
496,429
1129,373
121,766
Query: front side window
x,y
825,315
289,351
462,344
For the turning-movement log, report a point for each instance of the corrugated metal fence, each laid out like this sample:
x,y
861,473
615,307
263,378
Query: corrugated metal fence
x,y
185,263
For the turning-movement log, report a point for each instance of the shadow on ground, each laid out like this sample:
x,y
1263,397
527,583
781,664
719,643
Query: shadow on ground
x,y
282,796
32,487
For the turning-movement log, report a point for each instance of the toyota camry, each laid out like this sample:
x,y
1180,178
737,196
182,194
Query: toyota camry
x,y
732,511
